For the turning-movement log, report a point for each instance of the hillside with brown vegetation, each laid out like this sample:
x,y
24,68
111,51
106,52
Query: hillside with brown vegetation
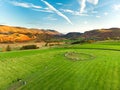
x,y
9,34
103,34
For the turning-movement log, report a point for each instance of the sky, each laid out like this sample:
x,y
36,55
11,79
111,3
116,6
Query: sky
x,y
61,15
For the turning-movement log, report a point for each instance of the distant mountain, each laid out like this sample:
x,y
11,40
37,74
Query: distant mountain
x,y
73,35
21,34
103,34
9,34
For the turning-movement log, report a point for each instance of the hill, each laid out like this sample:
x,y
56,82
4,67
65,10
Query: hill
x,y
21,34
72,35
9,34
103,34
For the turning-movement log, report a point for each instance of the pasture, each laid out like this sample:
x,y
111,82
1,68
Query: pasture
x,y
70,67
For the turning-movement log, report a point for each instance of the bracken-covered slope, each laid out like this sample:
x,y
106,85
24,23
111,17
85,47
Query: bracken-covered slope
x,y
103,34
21,34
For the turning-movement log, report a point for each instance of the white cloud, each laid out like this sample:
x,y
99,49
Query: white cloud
x,y
106,13
44,10
116,7
67,10
56,11
95,2
83,4
98,16
26,5
77,13
59,3
94,11
50,17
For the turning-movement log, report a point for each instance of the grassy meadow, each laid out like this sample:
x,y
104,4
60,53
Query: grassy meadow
x,y
71,67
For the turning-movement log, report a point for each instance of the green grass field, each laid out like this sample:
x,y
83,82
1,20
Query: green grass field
x,y
71,67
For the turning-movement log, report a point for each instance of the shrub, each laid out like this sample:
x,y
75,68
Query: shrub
x,y
91,41
29,47
8,48
79,42
83,41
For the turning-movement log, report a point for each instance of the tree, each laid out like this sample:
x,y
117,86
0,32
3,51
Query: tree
x,y
8,48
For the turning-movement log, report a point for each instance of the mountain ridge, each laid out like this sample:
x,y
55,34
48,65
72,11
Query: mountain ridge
x,y
103,34
21,34
11,34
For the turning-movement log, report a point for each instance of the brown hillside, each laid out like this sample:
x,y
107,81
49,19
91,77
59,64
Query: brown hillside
x,y
20,34
103,34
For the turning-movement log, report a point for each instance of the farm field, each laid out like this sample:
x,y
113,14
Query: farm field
x,y
71,67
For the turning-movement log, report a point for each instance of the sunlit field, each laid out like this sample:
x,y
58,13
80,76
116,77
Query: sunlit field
x,y
71,67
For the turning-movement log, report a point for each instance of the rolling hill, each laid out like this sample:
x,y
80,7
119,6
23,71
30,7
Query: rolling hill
x,y
20,34
10,34
103,34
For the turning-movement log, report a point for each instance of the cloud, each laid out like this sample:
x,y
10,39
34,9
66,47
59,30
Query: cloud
x,y
95,2
26,5
56,11
94,12
50,17
116,7
59,3
98,16
106,13
77,13
67,10
44,10
83,4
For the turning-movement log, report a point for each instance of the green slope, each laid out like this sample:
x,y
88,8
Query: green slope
x,y
50,69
